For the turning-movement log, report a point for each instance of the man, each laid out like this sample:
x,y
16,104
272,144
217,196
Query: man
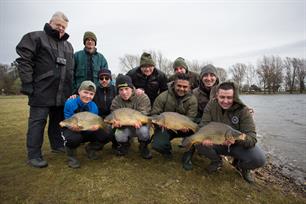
x,y
148,79
45,68
229,109
208,79
178,98
127,98
203,93
73,135
88,61
180,67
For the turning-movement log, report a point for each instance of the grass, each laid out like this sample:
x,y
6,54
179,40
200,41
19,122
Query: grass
x,y
114,179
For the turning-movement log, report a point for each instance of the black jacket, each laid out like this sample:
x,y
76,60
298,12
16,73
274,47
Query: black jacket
x,y
46,82
152,85
103,99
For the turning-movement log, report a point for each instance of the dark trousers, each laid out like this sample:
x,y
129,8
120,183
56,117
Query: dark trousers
x,y
162,139
251,158
36,126
74,139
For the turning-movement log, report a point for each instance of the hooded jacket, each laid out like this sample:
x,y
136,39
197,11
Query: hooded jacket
x,y
104,97
168,101
46,81
238,116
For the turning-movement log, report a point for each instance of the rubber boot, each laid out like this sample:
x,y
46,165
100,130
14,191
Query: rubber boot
x,y
186,159
214,166
123,148
144,151
91,150
245,173
72,160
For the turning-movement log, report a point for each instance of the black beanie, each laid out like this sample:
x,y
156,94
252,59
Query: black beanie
x,y
91,35
146,59
180,62
105,72
124,81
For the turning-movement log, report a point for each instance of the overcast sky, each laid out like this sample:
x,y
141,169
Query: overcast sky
x,y
220,32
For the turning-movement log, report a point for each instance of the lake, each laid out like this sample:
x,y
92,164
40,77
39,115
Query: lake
x,y
281,128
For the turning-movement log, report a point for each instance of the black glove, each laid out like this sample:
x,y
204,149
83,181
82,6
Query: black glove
x,y
26,89
249,142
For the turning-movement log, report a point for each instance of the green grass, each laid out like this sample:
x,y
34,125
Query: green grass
x,y
114,179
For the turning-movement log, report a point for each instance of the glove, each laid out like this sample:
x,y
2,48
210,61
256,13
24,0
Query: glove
x,y
26,89
249,142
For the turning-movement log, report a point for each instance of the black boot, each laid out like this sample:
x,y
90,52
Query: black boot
x,y
245,173
123,148
144,151
72,160
214,166
91,150
186,159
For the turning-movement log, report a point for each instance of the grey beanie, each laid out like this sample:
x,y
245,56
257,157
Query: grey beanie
x,y
180,62
87,85
208,69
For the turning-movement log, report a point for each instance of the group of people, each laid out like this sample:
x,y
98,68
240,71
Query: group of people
x,y
60,83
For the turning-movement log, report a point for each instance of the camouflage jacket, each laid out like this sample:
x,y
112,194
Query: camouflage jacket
x,y
169,102
140,103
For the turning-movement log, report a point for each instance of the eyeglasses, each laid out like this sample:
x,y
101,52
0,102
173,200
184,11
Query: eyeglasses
x,y
104,78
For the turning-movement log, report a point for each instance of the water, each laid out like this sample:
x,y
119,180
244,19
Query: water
x,y
281,128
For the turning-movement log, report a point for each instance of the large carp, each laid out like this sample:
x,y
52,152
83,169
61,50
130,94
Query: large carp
x,y
215,131
126,117
174,121
83,120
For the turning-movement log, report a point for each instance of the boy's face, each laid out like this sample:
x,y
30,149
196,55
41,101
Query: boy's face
x,y
225,98
181,87
209,79
86,96
125,93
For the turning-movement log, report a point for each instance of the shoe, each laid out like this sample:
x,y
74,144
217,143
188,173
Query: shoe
x,y
245,173
58,150
186,159
123,148
91,153
214,166
38,162
73,163
167,155
144,151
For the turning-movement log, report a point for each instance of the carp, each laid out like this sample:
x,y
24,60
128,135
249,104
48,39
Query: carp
x,y
215,131
174,121
126,117
84,120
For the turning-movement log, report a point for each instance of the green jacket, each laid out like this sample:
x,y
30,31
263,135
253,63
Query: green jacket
x,y
169,102
81,59
140,103
238,117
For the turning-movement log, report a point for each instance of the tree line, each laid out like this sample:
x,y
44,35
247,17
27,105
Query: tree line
x,y
271,74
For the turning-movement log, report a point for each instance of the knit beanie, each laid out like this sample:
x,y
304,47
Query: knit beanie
x,y
180,62
91,35
124,81
208,69
105,72
146,59
87,85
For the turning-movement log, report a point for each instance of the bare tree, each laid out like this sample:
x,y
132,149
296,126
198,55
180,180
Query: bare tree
x,y
300,65
128,62
222,74
162,62
238,71
250,75
290,74
270,73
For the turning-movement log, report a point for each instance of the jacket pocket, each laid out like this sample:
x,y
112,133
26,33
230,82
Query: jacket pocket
x,y
43,76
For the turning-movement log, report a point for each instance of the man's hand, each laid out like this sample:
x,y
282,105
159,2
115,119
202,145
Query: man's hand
x,y
207,142
116,124
137,125
139,92
95,128
228,142
73,96
74,128
184,130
